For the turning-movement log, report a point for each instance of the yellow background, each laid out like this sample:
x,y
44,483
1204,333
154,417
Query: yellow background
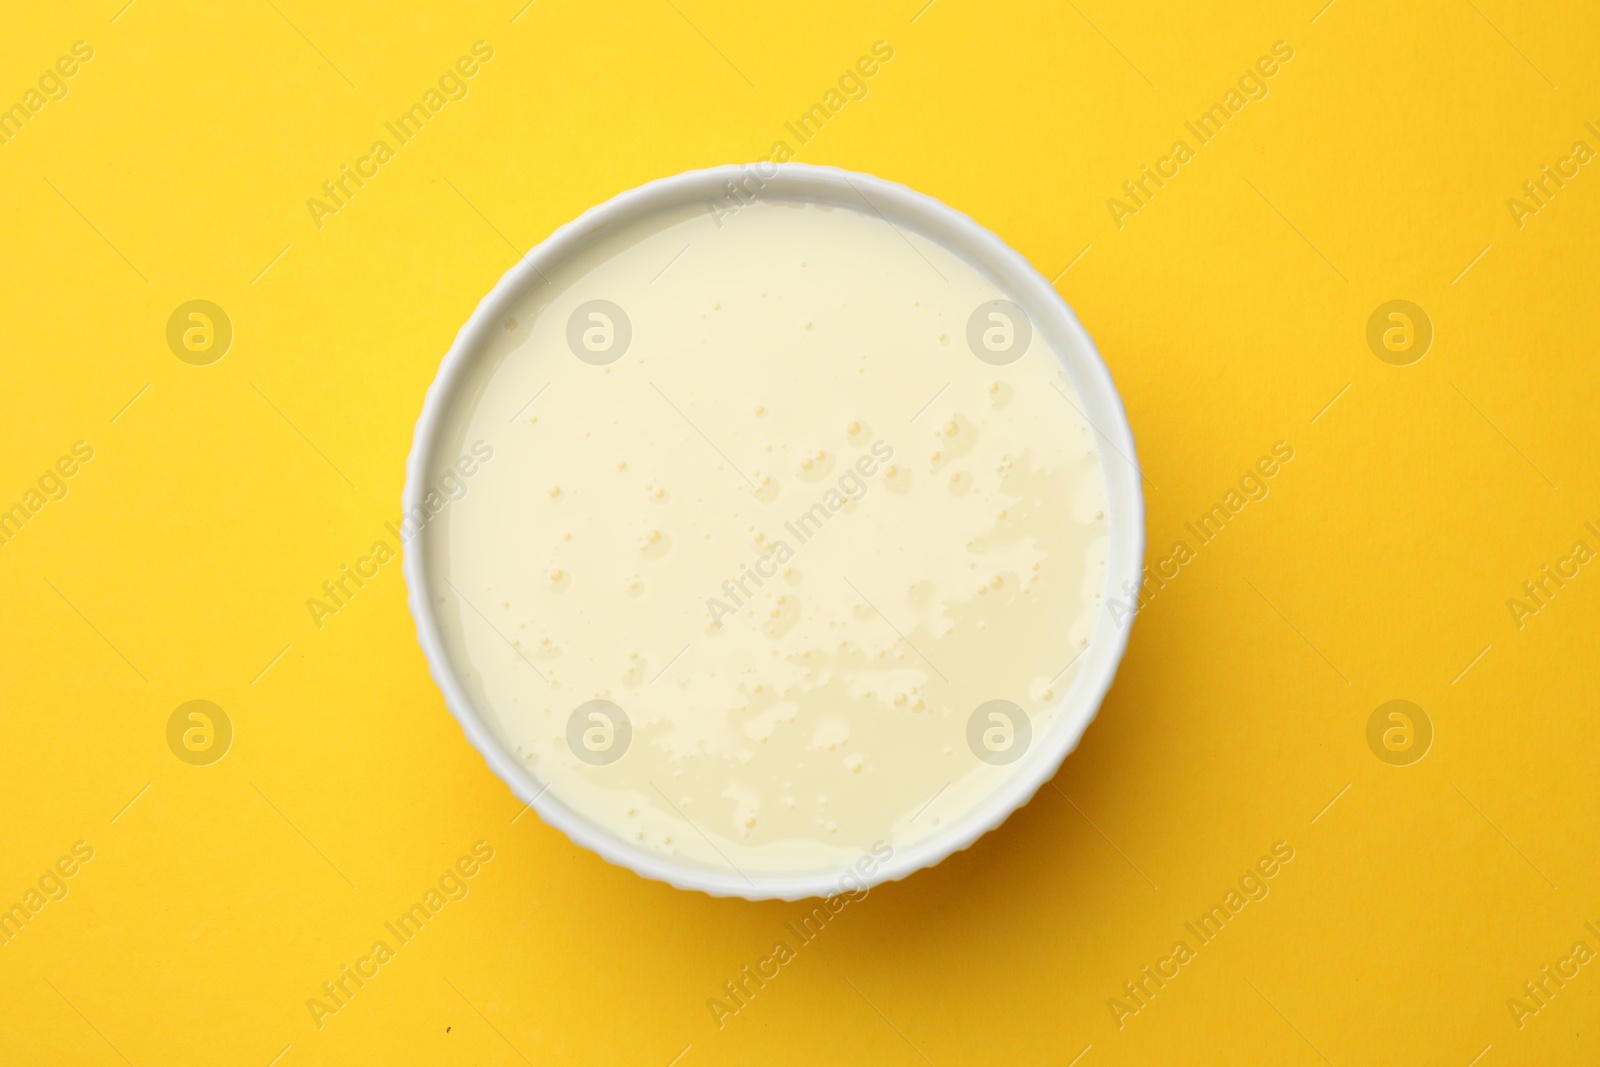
x,y
1231,310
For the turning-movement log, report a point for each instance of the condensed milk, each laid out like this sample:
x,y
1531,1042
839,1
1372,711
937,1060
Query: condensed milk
x,y
793,543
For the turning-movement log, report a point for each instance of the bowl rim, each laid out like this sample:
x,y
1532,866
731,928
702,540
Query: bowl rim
x,y
1050,316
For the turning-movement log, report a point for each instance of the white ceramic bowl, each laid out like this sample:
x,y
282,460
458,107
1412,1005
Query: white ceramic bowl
x,y
1013,276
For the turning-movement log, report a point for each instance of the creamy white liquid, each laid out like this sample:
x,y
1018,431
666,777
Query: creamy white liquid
x,y
795,356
